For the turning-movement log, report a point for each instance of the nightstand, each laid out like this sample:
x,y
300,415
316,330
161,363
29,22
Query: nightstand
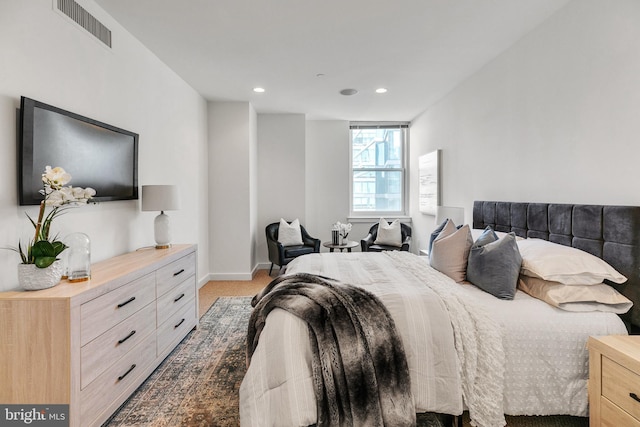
x,y
614,381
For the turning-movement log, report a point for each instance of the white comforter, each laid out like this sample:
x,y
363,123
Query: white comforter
x,y
543,368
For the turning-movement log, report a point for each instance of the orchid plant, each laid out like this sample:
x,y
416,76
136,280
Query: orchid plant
x,y
344,229
43,250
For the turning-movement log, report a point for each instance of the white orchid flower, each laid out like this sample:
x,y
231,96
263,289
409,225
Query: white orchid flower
x,y
55,198
78,193
89,193
56,178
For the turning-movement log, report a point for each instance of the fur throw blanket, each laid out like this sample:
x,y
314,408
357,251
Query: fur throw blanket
x,y
359,366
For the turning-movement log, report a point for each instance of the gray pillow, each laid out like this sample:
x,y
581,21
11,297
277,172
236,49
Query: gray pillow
x,y
487,236
434,234
494,267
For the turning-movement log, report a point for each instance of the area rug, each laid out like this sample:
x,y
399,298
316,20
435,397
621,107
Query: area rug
x,y
198,383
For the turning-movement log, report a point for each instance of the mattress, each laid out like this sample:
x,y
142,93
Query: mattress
x,y
528,357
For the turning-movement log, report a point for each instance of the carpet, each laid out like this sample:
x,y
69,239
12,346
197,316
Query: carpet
x,y
198,383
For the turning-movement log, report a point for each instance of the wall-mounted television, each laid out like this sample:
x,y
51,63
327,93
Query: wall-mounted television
x,y
96,154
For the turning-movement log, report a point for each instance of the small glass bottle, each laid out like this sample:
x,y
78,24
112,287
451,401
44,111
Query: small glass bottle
x,y
78,257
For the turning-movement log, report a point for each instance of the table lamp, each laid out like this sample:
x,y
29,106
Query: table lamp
x,y
161,198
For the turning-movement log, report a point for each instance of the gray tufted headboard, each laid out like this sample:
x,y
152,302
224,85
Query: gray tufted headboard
x,y
608,232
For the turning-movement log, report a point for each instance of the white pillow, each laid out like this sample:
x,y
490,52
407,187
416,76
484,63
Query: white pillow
x,y
559,263
389,234
599,297
450,251
289,234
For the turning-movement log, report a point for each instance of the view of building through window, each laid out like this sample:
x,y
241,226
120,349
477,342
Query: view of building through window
x,y
377,156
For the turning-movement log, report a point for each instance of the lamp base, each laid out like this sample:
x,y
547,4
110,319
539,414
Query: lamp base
x,y
162,231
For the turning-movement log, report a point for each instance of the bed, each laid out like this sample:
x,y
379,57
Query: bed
x,y
465,348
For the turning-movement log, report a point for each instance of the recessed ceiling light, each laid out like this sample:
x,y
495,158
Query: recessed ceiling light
x,y
348,92
258,89
381,90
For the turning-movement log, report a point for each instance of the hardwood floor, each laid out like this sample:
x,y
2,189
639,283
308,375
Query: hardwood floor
x,y
210,292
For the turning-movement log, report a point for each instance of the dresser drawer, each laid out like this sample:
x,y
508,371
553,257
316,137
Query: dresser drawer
x,y
177,326
176,298
612,416
98,355
102,313
172,274
114,385
618,386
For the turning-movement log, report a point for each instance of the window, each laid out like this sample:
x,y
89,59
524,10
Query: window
x,y
378,174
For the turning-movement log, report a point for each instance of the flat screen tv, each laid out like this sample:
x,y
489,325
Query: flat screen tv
x,y
96,154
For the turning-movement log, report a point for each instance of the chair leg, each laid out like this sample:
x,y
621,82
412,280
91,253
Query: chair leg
x,y
270,269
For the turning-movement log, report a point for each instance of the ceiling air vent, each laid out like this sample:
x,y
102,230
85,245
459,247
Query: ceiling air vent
x,y
86,20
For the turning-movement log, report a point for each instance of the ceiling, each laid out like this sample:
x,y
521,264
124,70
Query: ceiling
x,y
303,52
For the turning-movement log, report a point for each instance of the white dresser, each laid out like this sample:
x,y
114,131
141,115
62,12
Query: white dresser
x,y
91,344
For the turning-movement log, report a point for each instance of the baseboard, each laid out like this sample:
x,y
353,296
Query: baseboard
x,y
263,266
236,276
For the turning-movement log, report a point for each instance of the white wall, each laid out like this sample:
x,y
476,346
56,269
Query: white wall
x,y
254,230
47,57
553,119
327,173
232,142
281,174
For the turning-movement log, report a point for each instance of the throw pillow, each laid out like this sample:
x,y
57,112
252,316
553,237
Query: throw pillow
x,y
289,234
570,266
435,233
599,297
487,236
494,267
450,251
476,232
389,234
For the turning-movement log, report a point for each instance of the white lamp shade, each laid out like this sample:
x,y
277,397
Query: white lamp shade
x,y
454,214
160,198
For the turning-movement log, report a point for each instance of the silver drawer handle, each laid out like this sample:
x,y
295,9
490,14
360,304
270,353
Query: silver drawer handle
x,y
121,377
122,304
179,298
178,272
634,397
180,323
127,337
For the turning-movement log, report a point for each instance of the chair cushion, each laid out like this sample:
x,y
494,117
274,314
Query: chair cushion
x,y
294,251
289,234
380,248
389,234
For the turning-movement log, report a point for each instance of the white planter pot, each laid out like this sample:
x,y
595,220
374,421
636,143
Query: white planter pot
x,y
33,278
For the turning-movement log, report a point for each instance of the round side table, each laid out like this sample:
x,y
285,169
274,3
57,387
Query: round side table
x,y
348,244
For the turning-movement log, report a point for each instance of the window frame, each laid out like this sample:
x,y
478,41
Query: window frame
x,y
403,169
